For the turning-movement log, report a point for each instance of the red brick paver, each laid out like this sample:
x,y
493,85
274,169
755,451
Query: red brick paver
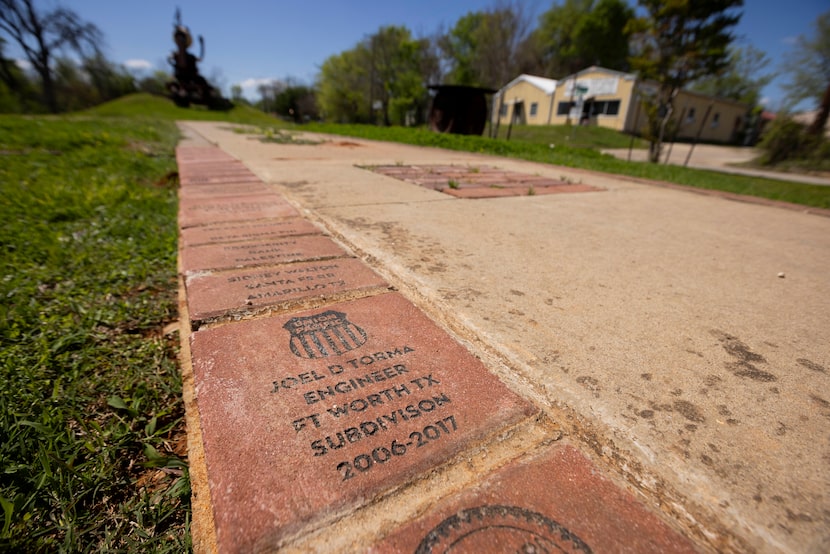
x,y
241,231
479,182
253,254
311,412
231,292
556,501
201,211
224,189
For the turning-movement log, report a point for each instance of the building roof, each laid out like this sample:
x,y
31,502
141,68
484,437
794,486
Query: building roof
x,y
598,69
548,86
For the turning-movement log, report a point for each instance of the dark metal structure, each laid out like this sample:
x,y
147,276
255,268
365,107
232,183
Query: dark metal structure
x,y
459,109
189,86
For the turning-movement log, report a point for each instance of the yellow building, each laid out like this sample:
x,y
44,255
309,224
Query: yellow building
x,y
608,98
528,99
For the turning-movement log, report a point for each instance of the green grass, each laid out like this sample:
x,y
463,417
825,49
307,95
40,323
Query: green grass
x,y
577,136
142,105
590,158
91,421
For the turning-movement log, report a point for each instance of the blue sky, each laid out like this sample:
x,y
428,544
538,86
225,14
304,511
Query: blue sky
x,y
248,40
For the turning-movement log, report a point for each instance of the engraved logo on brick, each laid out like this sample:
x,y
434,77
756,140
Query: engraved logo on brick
x,y
502,529
323,335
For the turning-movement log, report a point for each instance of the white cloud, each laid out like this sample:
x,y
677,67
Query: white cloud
x,y
789,41
250,85
138,64
25,65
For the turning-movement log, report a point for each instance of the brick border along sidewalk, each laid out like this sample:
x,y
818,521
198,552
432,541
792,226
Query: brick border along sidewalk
x,y
326,411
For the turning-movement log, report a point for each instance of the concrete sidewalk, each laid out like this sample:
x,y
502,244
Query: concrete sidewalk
x,y
679,340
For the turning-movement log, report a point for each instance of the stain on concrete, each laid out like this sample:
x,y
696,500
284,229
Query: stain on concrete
x,y
745,359
812,366
590,383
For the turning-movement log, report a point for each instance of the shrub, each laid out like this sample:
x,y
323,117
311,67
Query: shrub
x,y
787,139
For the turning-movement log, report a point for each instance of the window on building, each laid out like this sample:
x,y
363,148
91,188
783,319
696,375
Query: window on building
x,y
716,119
503,110
690,115
564,108
605,107
534,107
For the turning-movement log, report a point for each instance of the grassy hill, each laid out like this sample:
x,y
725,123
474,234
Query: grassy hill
x,y
143,105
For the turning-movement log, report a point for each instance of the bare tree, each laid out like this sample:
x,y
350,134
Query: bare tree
x,y
488,48
43,34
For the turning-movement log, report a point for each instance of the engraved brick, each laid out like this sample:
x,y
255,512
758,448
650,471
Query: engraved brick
x,y
557,501
197,211
224,189
207,168
242,231
253,254
196,154
241,177
328,408
216,294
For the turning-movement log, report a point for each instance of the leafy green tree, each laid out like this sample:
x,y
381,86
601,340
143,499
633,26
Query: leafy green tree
x,y
385,73
108,79
343,86
17,92
742,79
236,93
295,101
580,33
809,67
155,83
43,34
676,42
396,71
488,48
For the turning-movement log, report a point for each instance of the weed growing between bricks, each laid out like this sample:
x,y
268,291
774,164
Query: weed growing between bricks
x,y
92,438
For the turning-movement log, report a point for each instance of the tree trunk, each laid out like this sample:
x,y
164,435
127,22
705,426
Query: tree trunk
x,y
817,127
654,148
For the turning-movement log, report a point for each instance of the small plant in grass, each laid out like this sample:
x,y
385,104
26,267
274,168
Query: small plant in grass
x,y
452,183
474,169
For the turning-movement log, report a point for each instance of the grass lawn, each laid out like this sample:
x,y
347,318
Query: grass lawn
x,y
92,437
577,136
92,440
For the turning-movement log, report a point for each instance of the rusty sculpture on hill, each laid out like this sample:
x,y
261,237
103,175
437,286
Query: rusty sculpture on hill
x,y
189,86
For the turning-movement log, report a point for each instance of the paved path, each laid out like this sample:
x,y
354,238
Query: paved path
x,y
679,340
719,158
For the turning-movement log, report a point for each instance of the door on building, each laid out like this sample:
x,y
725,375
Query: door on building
x,y
519,117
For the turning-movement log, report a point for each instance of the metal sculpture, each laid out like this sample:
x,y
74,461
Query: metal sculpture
x,y
189,86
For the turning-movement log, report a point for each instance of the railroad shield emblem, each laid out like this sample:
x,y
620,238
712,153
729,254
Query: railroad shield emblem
x,y
323,335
